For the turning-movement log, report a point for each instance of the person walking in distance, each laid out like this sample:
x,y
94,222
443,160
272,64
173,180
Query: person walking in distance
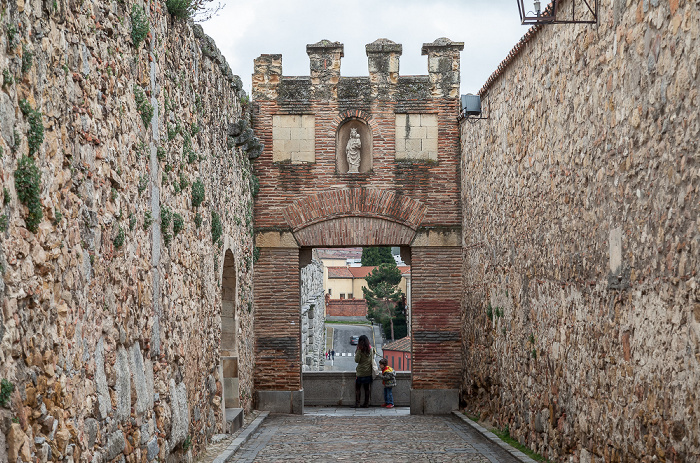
x,y
333,355
389,381
363,372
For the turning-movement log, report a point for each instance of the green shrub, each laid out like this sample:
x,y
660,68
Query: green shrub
x,y
147,220
197,220
27,59
184,181
143,106
139,25
256,254
7,78
197,193
28,186
143,183
166,216
6,390
160,153
119,238
181,9
178,224
216,227
4,223
254,185
5,196
35,137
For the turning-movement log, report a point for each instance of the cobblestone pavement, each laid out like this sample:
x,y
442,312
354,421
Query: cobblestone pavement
x,y
368,435
220,442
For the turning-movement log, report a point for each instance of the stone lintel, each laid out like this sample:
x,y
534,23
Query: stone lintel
x,y
434,401
275,239
443,237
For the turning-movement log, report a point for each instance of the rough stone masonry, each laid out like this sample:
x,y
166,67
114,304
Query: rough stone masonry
x,y
122,191
581,195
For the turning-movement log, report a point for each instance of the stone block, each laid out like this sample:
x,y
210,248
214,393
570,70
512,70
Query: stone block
x,y
291,402
429,120
229,367
434,401
231,398
123,385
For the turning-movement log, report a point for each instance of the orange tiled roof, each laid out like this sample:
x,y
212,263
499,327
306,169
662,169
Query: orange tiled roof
x,y
339,272
359,272
400,345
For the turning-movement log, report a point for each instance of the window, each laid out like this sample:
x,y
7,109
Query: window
x,y
399,363
342,295
329,290
350,296
392,361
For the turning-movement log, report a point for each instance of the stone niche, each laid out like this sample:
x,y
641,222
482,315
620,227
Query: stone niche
x,y
341,144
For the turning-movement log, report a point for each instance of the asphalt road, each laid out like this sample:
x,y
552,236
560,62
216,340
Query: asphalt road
x,y
344,351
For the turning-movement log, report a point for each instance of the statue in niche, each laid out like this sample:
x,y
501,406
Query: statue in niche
x,y
352,150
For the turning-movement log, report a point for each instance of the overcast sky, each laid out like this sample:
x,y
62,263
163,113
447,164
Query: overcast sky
x,y
245,29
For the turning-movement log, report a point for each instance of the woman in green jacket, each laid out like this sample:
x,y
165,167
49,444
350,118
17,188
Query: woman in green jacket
x,y
363,358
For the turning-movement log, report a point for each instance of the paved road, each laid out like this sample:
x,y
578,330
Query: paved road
x,y
377,438
344,351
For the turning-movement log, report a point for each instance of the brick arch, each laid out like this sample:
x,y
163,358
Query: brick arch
x,y
349,114
368,207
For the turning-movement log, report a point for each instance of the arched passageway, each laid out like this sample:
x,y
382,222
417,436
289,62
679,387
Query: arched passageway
x,y
368,161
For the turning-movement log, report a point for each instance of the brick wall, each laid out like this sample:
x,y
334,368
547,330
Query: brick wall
x,y
581,194
277,320
346,308
388,202
433,183
436,328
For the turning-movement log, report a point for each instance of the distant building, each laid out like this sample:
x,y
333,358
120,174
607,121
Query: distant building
x,y
398,354
347,282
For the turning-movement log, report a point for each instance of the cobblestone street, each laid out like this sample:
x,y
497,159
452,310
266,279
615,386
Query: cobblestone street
x,y
368,435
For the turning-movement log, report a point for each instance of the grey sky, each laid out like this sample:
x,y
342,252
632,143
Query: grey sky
x,y
245,29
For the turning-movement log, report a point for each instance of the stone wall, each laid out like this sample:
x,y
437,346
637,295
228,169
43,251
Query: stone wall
x,y
313,337
581,244
111,268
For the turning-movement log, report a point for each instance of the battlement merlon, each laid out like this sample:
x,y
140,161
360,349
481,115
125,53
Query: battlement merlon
x,y
443,66
267,73
324,68
383,63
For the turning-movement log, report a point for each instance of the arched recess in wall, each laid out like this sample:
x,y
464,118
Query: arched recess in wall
x,y
360,132
229,341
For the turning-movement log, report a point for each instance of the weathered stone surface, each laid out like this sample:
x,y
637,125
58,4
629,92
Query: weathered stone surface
x,y
581,255
84,311
152,449
123,385
180,413
115,445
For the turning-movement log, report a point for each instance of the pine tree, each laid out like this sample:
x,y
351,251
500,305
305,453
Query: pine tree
x,y
383,295
377,255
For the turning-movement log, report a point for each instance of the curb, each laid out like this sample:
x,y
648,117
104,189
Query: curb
x,y
241,439
494,438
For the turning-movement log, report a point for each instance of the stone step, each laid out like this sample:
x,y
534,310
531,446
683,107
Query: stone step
x,y
234,420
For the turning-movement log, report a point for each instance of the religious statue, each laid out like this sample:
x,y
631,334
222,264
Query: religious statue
x,y
352,150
